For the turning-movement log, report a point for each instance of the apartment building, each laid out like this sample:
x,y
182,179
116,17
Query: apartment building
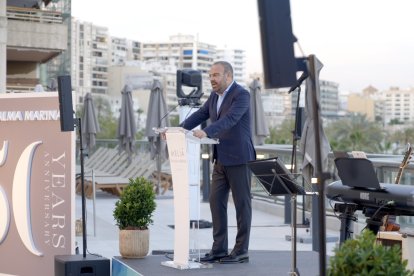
x,y
277,105
186,52
328,100
36,33
90,58
365,103
398,105
237,58
118,50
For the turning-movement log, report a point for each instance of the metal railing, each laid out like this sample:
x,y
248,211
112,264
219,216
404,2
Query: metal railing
x,y
386,167
34,15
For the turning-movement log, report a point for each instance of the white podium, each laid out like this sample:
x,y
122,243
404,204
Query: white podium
x,y
181,147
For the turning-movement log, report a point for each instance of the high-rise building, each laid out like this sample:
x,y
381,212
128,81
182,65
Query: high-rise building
x,y
237,58
329,99
118,50
186,51
90,58
134,50
183,52
398,105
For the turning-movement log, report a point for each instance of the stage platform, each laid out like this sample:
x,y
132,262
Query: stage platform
x,y
261,262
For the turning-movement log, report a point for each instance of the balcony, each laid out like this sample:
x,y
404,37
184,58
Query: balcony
x,y
34,35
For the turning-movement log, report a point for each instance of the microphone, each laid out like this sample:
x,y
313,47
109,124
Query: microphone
x,y
182,124
299,82
166,114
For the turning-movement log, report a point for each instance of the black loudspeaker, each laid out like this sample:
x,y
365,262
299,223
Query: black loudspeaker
x,y
300,121
71,265
65,103
279,61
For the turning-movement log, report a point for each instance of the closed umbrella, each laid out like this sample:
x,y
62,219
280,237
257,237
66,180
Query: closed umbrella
x,y
90,124
307,142
52,85
126,124
157,118
315,148
258,123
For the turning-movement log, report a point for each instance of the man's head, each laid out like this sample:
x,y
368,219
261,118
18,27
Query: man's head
x,y
221,75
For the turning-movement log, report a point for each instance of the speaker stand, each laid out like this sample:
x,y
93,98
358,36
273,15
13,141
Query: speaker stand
x,y
85,264
79,127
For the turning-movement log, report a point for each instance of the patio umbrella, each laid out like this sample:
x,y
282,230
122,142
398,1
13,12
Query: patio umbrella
x,y
258,122
52,85
90,124
126,124
307,142
315,148
157,118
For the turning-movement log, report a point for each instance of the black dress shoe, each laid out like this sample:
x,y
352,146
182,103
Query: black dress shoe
x,y
212,258
235,258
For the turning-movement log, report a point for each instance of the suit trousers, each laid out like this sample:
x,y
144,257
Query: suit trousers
x,y
236,179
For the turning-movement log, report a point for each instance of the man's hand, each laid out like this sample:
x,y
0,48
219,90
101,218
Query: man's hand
x,y
163,136
199,133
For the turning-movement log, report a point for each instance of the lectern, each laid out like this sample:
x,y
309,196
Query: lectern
x,y
180,143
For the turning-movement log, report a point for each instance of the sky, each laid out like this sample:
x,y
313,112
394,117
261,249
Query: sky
x,y
360,42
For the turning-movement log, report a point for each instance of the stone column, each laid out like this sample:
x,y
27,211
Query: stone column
x,y
3,45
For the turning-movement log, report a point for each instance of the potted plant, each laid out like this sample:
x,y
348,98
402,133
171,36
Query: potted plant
x,y
364,256
133,214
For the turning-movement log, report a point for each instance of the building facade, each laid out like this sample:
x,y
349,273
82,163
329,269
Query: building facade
x,y
35,35
237,58
90,58
398,105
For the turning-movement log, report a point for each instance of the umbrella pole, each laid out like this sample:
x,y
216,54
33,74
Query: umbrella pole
x,y
159,172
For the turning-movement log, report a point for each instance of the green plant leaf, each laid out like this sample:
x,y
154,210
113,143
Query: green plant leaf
x,y
136,205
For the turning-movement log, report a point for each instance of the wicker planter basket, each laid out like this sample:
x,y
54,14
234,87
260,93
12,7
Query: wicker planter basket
x,y
134,243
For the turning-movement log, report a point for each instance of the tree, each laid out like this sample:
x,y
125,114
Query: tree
x,y
403,136
355,133
107,122
282,134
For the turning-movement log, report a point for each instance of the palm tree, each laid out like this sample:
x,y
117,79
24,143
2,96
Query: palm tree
x,y
355,133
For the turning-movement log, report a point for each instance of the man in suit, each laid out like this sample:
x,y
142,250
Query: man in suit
x,y
228,109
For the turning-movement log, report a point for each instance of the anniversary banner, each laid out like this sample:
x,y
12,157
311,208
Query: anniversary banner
x,y
37,169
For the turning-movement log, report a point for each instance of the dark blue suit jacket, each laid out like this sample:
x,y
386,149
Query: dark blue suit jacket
x,y
231,126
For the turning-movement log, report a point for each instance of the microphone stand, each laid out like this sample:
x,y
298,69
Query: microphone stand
x,y
293,164
158,148
295,136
